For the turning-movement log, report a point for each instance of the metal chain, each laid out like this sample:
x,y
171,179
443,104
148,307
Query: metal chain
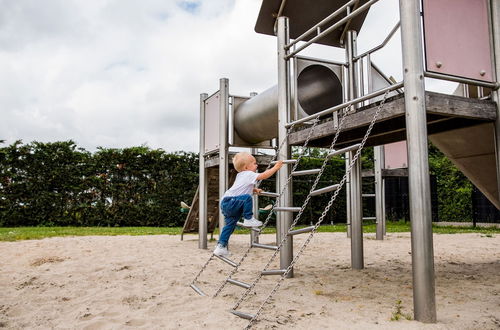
x,y
268,218
325,211
283,241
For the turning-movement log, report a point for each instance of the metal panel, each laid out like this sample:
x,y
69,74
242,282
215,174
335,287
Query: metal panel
x,y
303,15
396,155
212,123
457,38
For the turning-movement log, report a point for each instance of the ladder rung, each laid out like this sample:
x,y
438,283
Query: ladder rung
x,y
242,315
274,272
265,246
287,209
195,288
226,260
239,283
301,231
240,224
269,194
368,195
369,218
306,172
287,161
343,150
325,190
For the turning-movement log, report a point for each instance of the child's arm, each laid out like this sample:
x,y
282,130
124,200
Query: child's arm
x,y
267,174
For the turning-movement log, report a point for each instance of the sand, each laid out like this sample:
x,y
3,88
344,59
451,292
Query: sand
x,y
125,282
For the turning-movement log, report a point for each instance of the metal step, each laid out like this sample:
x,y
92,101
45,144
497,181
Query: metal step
x,y
287,209
369,218
325,190
242,315
269,194
239,283
300,231
306,172
198,290
287,161
274,272
344,150
265,246
226,260
240,224
368,195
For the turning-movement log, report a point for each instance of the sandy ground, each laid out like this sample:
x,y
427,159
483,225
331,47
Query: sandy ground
x,y
142,282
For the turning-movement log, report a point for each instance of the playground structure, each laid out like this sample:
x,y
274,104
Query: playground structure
x,y
323,103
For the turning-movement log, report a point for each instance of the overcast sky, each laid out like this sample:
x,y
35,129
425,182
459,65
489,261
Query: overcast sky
x,y
121,73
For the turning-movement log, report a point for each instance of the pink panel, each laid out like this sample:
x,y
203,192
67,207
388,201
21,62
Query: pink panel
x,y
212,123
395,155
457,39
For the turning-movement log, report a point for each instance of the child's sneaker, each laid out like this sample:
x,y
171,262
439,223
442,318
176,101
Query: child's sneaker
x,y
252,223
221,251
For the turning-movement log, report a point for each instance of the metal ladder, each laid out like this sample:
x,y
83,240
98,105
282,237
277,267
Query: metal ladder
x,y
235,265
311,229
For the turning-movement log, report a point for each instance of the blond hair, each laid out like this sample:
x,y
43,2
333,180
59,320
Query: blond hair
x,y
240,160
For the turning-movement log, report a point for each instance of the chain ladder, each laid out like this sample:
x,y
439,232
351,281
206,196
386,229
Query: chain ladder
x,y
268,218
325,162
321,218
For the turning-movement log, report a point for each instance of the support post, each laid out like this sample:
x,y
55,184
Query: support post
x,y
348,194
254,238
357,261
378,153
203,183
424,300
223,149
284,218
495,30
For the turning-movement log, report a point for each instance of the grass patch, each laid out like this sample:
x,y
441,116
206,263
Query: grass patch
x,y
25,233
398,314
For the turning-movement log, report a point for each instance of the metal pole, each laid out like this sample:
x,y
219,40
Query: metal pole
x,y
357,261
254,238
379,193
348,195
284,218
203,184
495,30
424,299
223,149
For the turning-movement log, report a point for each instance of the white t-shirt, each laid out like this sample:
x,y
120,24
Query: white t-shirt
x,y
243,184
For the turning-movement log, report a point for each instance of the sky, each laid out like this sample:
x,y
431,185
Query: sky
x,y
124,73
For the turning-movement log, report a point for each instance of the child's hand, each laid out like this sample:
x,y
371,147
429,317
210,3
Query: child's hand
x,y
278,164
257,191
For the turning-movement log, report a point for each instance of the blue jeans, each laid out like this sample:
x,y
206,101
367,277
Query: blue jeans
x,y
233,208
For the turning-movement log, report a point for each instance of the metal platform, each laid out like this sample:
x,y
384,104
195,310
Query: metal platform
x,y
462,128
303,14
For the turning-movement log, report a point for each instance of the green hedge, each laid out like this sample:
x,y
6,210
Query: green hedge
x,y
60,184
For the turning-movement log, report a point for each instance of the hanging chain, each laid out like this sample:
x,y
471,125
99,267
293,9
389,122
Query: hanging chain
x,y
268,218
325,211
325,162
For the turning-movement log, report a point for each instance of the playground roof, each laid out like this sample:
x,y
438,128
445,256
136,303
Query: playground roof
x,y
305,14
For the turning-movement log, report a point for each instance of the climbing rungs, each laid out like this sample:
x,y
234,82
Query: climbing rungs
x,y
368,195
344,150
195,288
287,161
239,283
226,260
269,194
287,209
274,272
306,172
300,231
242,315
325,190
369,218
240,224
265,246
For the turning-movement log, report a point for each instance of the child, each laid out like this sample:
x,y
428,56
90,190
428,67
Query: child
x,y
237,201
